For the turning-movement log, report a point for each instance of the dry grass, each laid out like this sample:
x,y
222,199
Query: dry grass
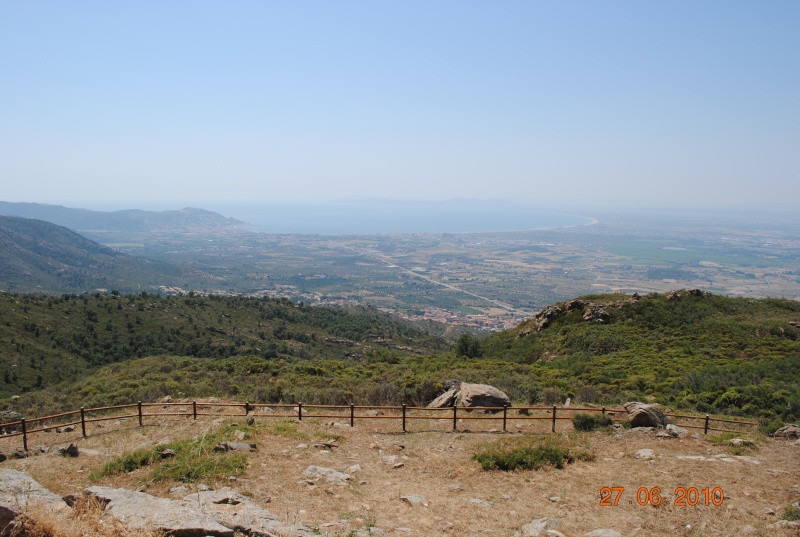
x,y
435,458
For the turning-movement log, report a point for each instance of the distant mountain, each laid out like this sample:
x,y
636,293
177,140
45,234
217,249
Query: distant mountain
x,y
40,256
132,220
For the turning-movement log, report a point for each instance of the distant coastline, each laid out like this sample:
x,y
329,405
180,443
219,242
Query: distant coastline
x,y
388,217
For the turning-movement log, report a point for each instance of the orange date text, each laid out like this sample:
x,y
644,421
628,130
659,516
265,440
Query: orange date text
x,y
683,496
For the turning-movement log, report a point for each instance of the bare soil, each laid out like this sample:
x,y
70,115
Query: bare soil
x,y
435,459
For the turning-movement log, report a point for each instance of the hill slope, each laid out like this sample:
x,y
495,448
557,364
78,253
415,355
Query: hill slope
x,y
131,220
689,351
40,256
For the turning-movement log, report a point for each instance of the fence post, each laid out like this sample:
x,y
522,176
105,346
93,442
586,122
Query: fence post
x,y
604,411
194,409
352,414
140,413
404,417
246,408
24,435
455,419
299,411
706,429
554,418
83,421
505,415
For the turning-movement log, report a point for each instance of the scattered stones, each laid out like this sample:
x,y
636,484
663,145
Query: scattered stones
x,y
538,527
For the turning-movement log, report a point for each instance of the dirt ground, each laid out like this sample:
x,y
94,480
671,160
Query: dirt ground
x,y
459,497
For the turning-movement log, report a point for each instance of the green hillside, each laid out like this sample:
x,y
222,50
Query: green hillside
x,y
40,256
686,350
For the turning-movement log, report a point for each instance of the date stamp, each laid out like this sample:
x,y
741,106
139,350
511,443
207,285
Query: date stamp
x,y
683,497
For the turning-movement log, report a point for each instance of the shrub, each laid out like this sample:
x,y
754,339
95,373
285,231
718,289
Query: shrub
x,y
589,422
524,456
552,396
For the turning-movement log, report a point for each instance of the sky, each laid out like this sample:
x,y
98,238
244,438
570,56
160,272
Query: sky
x,y
133,104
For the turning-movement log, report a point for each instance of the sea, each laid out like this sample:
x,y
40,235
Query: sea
x,y
386,217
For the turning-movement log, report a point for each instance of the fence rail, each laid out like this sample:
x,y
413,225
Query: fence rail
x,y
299,411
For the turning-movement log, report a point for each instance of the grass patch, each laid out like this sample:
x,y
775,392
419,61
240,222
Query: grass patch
x,y
589,422
792,512
530,454
288,429
748,445
194,459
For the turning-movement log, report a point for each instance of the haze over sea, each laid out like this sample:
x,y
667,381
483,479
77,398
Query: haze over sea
x,y
369,217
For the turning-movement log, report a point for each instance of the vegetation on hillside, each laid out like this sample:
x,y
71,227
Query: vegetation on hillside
x,y
699,352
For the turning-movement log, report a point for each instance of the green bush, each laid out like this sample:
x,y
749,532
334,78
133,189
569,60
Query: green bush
x,y
525,456
589,422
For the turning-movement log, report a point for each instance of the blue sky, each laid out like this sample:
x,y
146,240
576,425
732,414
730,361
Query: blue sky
x,y
181,103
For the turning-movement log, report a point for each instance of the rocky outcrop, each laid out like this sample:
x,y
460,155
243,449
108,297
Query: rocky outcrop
x,y
138,510
644,415
19,492
243,515
470,396
788,431
328,474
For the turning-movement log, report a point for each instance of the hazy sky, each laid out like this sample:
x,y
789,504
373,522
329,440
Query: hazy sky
x,y
195,102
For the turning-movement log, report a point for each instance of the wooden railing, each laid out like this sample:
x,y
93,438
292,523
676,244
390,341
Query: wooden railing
x,y
403,413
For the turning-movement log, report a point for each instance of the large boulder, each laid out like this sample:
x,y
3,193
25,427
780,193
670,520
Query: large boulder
x,y
470,396
791,430
644,415
19,492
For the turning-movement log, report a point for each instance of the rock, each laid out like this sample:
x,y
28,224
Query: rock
x,y
480,502
19,492
138,510
328,474
737,441
240,435
791,430
604,532
250,420
415,500
353,469
447,399
3,457
454,488
166,399
678,432
40,450
71,450
65,429
471,395
554,533
242,514
644,415
539,527
645,454
167,453
20,454
554,499
781,524
234,446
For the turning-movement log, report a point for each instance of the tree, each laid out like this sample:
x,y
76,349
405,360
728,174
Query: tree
x,y
469,346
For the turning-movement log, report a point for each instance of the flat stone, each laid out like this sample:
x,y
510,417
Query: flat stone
x,y
480,502
138,510
645,454
19,492
538,527
242,514
604,532
328,474
415,499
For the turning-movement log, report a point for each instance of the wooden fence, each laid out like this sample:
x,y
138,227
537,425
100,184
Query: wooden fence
x,y
403,413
